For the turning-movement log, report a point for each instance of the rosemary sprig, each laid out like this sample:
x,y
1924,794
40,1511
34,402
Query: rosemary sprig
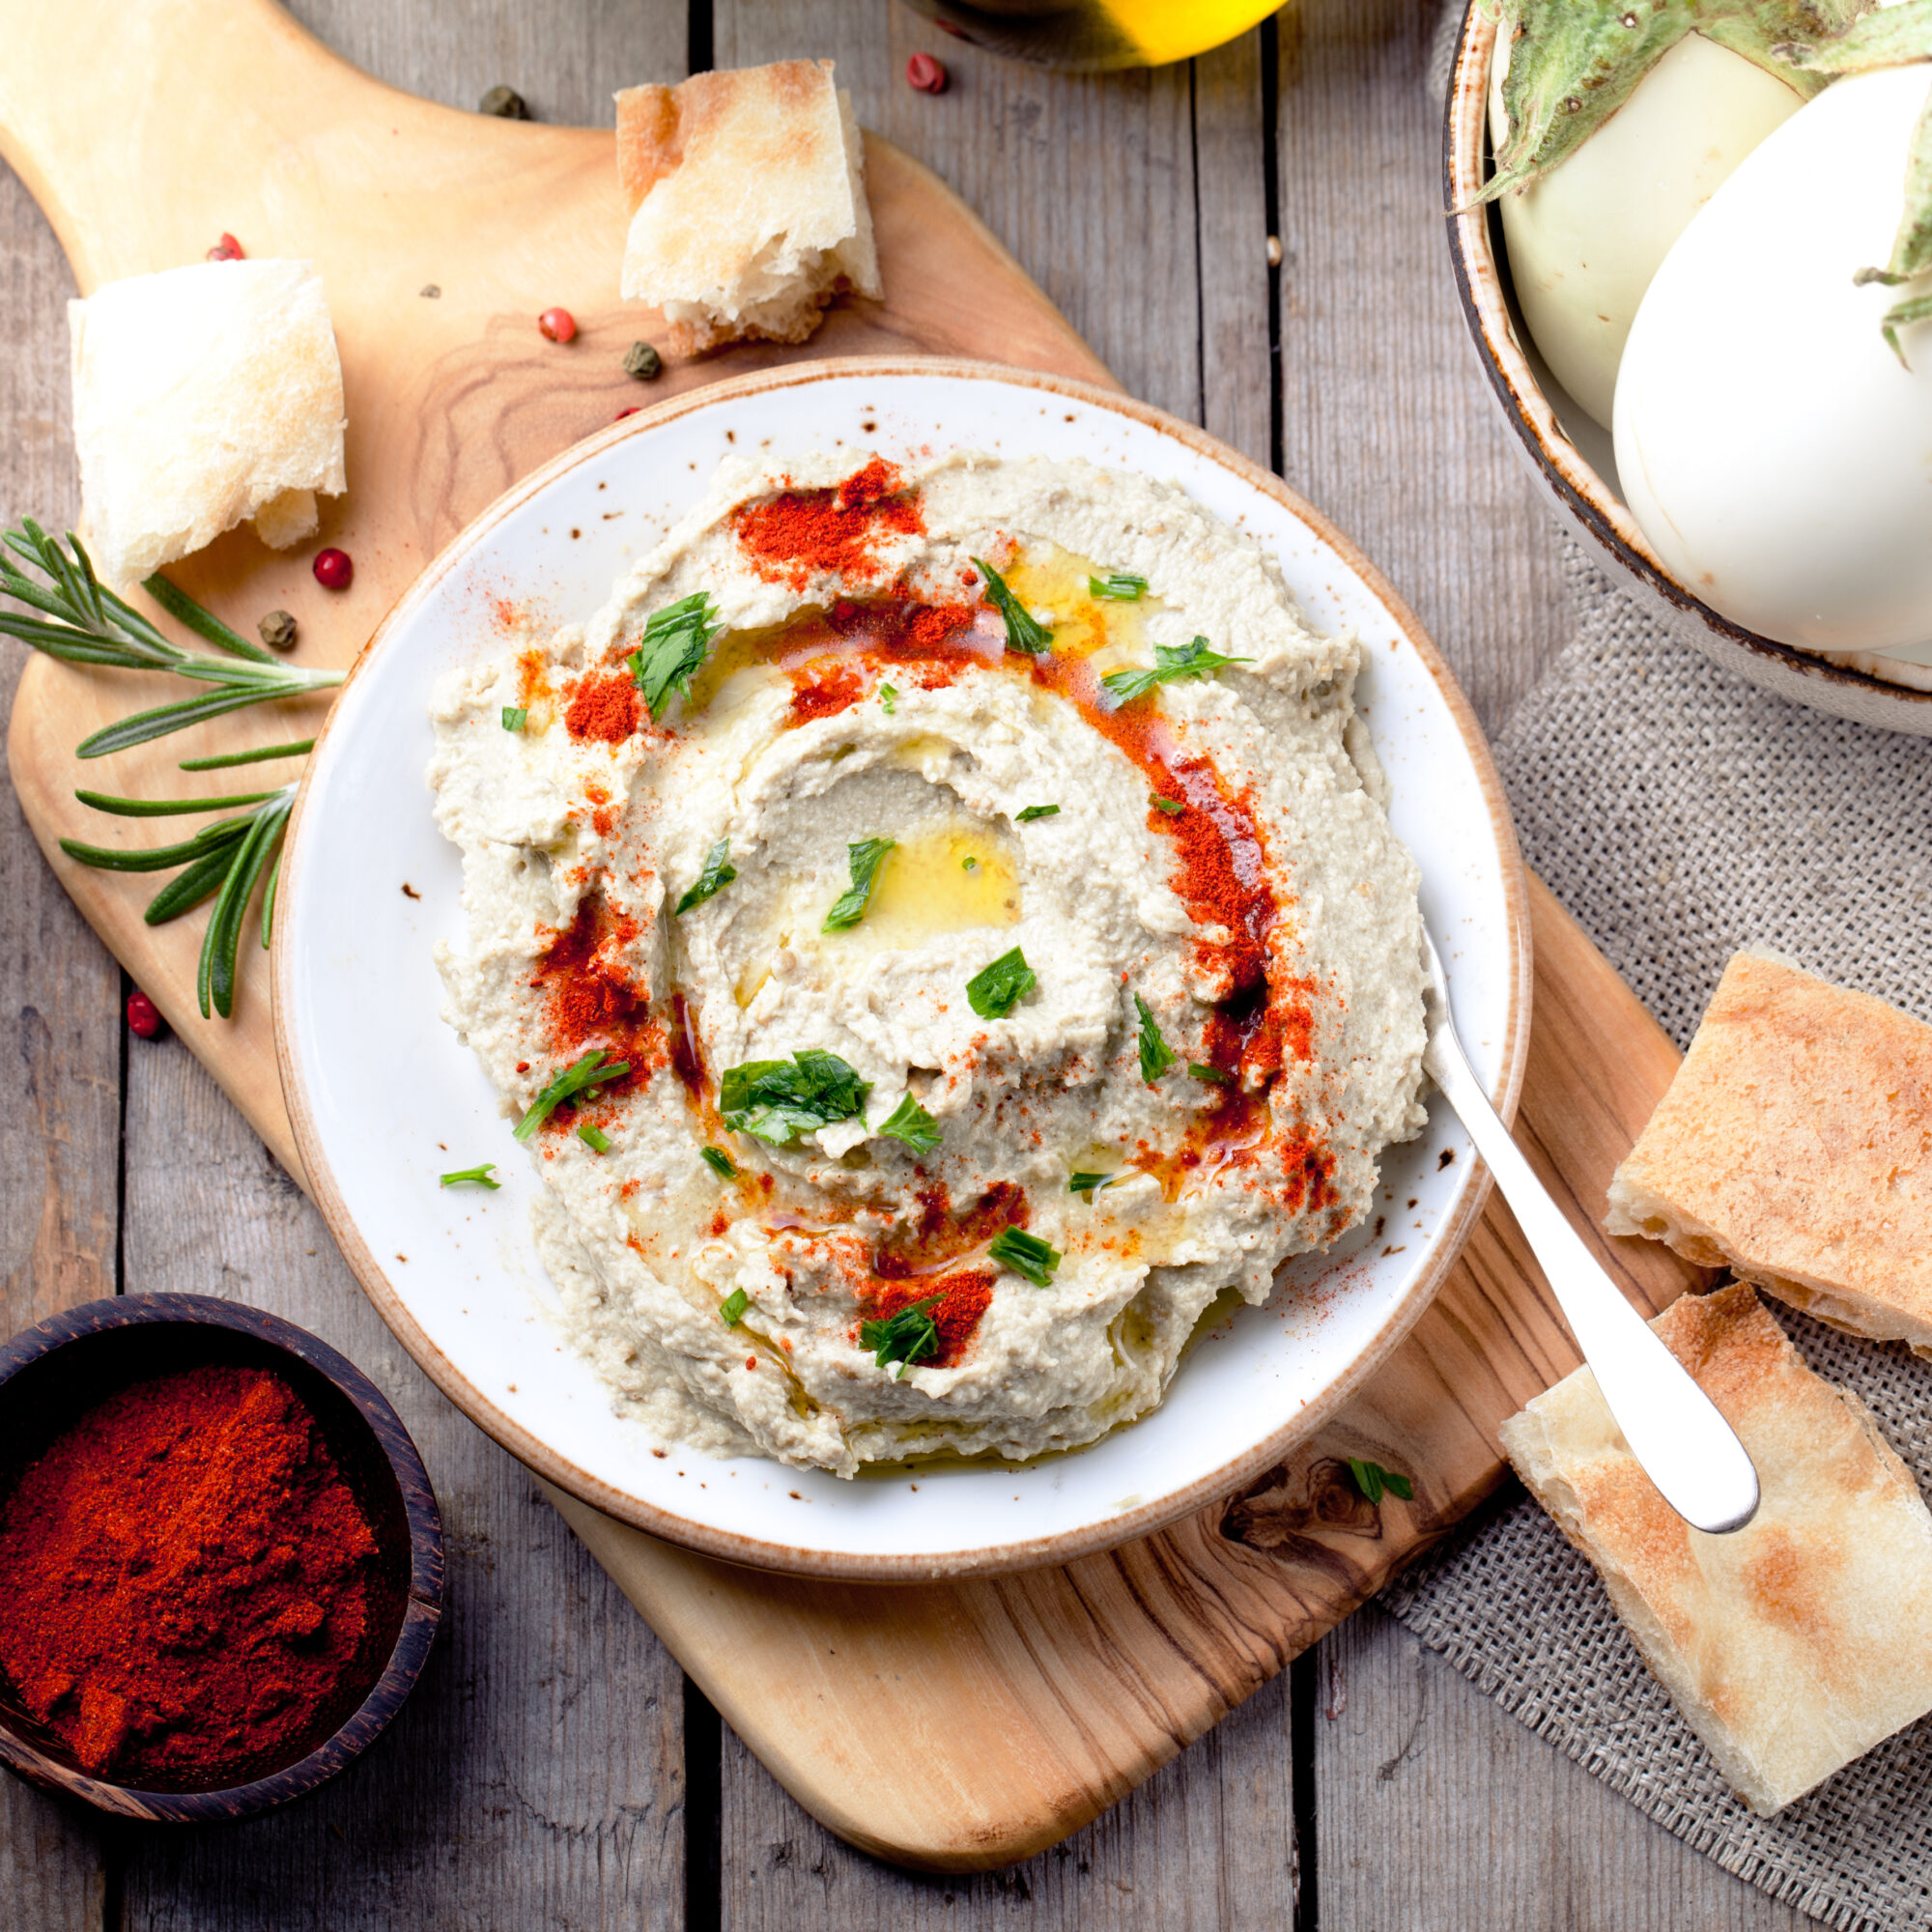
x,y
225,858
83,622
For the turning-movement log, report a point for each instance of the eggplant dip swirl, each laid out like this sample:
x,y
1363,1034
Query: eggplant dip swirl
x,y
936,931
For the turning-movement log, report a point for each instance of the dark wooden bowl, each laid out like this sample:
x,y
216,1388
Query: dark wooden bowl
x,y
50,1373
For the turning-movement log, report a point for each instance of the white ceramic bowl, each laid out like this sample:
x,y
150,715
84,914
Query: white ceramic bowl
x,y
1571,455
383,1099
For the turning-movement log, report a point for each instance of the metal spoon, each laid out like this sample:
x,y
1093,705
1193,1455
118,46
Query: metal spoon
x,y
1672,1426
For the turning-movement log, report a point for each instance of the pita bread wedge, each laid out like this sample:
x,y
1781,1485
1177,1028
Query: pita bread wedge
x,y
747,192
1794,1147
1796,1644
203,397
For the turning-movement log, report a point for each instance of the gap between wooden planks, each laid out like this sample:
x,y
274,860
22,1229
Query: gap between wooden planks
x,y
950,1726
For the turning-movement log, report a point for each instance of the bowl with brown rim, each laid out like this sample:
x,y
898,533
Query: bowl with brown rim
x,y
54,1373
1571,454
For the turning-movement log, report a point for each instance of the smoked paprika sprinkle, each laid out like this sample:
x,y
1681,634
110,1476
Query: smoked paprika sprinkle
x,y
194,1595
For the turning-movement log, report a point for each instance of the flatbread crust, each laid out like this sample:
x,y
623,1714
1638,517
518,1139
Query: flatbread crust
x,y
204,396
747,192
1796,1644
1794,1147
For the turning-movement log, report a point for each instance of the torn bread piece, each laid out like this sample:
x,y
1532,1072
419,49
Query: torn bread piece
x,y
747,192
1793,1645
204,396
1794,1147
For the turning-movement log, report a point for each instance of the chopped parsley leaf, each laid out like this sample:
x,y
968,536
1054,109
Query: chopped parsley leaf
x,y
1219,1075
1033,812
1156,1056
1371,1479
863,857
479,1175
1169,663
995,991
1024,631
1173,807
515,716
719,1161
910,1122
904,1338
889,698
677,639
594,1138
1117,587
1025,1254
779,1100
731,1310
581,1076
717,873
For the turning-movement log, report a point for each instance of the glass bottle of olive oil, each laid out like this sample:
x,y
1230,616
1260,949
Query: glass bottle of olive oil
x,y
1098,33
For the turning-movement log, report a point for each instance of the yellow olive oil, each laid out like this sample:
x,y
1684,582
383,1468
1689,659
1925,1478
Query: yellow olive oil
x,y
1098,33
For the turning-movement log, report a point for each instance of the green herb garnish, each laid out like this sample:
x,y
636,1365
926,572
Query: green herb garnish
x,y
594,1138
779,1100
863,857
731,1310
1171,807
83,622
515,716
1117,587
1371,1479
581,1076
1169,663
1025,1254
479,1175
717,873
1156,1056
1033,812
888,698
718,1159
995,991
226,859
1219,1075
910,1122
903,1338
1024,631
1090,1184
677,641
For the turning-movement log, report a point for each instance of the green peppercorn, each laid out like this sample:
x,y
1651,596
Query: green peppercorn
x,y
506,102
643,362
278,630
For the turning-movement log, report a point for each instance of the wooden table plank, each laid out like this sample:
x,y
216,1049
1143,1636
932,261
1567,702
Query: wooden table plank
x,y
60,1086
1439,1811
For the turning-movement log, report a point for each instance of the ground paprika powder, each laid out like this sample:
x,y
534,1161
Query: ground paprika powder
x,y
193,1595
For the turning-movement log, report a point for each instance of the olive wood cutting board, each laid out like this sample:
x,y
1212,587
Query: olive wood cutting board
x,y
952,1726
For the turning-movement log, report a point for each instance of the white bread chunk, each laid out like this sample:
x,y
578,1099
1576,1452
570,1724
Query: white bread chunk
x,y
204,396
748,197
1797,1643
1794,1147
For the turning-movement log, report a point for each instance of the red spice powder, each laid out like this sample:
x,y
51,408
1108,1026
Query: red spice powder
x,y
582,972
604,707
193,1593
941,1235
791,537
963,1298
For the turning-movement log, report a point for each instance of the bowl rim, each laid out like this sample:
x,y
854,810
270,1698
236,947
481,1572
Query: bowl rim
x,y
1481,291
1022,1554
422,1607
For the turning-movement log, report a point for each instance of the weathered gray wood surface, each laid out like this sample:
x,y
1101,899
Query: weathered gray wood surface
x,y
539,1777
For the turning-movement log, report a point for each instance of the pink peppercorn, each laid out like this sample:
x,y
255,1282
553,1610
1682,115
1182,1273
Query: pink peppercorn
x,y
557,324
927,74
333,570
144,1017
227,249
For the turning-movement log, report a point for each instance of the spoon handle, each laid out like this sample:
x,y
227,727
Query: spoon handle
x,y
1672,1426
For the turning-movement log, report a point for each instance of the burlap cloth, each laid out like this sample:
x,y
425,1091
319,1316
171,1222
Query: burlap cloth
x,y
1680,814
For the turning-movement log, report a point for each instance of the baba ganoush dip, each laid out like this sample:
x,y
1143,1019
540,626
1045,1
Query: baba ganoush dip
x,y
938,931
